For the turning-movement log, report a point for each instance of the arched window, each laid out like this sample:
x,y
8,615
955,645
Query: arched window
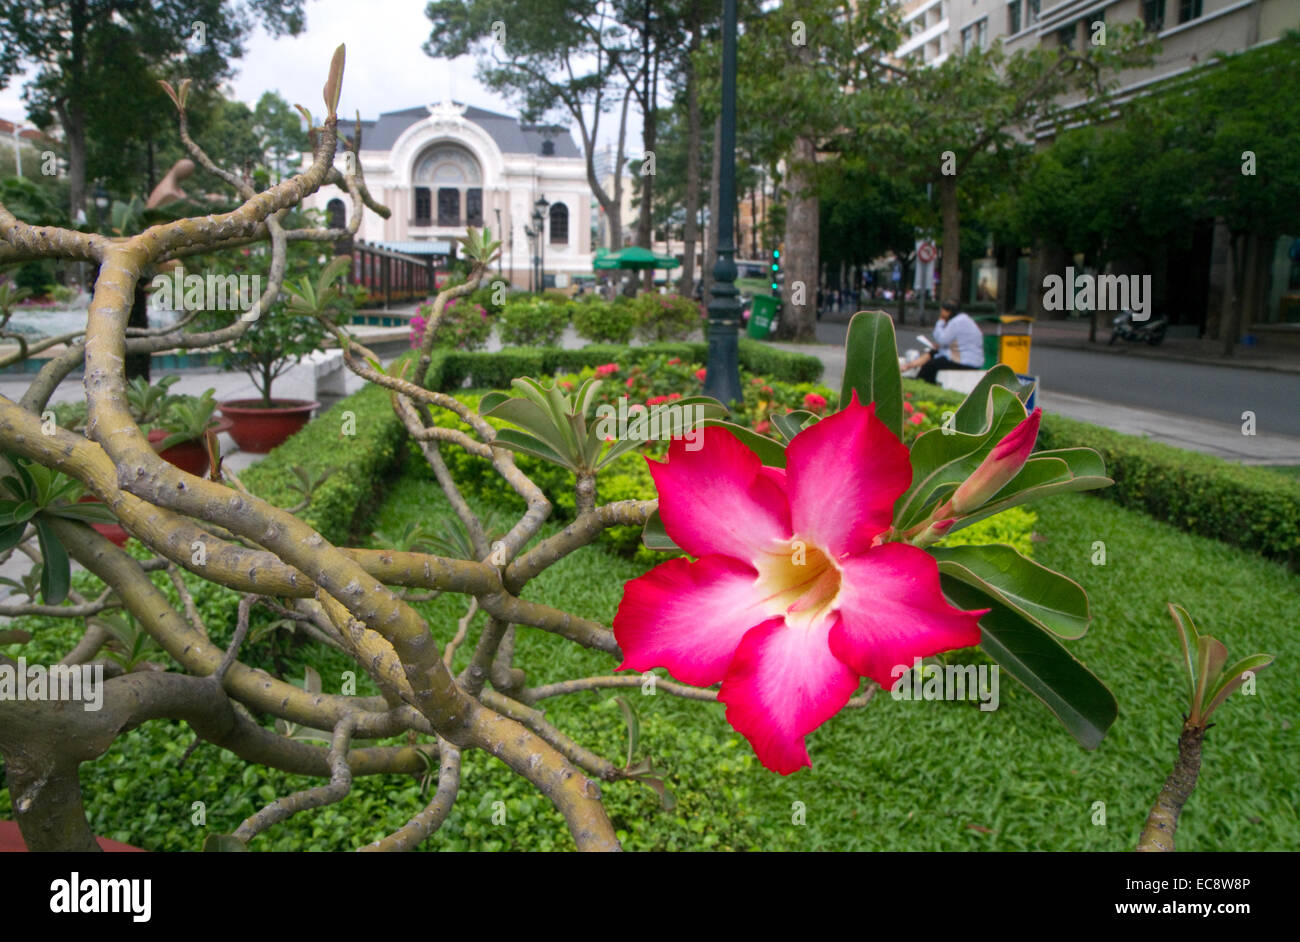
x,y
338,214
451,174
559,224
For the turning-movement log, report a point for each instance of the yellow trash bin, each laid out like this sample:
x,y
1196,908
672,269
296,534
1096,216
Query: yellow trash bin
x,y
1013,341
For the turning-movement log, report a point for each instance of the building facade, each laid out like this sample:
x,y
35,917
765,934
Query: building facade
x,y
444,167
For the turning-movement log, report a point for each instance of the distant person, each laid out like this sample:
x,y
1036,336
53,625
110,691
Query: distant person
x,y
957,331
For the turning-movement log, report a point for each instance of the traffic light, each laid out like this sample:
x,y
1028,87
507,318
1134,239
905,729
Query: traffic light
x,y
776,271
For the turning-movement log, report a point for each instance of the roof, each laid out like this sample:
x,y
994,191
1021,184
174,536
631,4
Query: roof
x,y
512,136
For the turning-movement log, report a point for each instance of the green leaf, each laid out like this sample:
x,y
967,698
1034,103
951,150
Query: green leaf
x,y
633,728
1188,637
1231,679
792,423
535,420
973,414
871,367
56,575
11,535
86,513
1211,655
334,83
522,441
1032,656
1047,598
769,451
943,459
672,419
655,537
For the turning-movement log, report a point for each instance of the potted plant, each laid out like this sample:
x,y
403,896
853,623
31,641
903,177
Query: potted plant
x,y
276,341
180,435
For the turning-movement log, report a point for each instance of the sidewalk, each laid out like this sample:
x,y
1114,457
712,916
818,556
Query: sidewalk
x,y
1073,335
1194,434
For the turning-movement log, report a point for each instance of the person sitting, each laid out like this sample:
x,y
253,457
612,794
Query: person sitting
x,y
958,331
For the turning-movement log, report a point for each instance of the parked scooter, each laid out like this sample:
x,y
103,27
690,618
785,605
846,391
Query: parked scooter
x,y
1124,327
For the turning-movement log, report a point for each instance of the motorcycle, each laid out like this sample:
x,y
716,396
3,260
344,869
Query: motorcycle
x,y
1124,327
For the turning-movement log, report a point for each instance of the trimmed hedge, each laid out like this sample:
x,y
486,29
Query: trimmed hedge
x,y
454,369
362,462
1250,507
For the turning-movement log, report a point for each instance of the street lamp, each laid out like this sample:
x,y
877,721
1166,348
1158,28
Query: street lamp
x,y
722,380
531,235
498,212
539,218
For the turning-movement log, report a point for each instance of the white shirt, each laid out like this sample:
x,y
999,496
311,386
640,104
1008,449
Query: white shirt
x,y
965,333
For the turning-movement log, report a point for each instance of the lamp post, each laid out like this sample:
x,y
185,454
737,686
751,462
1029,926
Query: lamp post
x,y
498,212
539,217
531,235
722,381
18,149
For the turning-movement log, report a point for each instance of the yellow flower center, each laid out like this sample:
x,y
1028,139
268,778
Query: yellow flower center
x,y
798,580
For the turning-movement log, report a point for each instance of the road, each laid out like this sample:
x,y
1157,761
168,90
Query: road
x,y
1193,390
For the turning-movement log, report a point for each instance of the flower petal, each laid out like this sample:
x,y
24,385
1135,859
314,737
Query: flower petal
x,y
688,617
782,684
843,475
717,500
892,611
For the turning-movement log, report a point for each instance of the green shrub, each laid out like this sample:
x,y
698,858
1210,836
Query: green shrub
x,y
465,325
1250,507
533,321
359,441
602,322
455,369
667,317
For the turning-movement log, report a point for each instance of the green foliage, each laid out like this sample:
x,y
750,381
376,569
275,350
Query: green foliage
x,y
600,321
361,462
667,317
464,325
532,321
450,370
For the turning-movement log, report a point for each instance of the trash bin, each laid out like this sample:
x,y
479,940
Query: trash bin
x,y
1014,339
991,340
762,312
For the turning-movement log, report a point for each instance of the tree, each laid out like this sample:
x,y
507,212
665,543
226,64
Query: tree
x,y
97,59
979,108
549,55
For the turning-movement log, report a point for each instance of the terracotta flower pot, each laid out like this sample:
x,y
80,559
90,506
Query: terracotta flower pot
x,y
112,531
259,429
192,455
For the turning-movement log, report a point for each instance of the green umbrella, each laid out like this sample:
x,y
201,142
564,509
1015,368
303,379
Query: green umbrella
x,y
633,257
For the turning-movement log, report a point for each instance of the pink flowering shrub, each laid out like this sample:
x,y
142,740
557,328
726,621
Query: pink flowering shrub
x,y
465,325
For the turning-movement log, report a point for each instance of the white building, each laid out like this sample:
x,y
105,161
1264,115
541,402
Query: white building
x,y
443,167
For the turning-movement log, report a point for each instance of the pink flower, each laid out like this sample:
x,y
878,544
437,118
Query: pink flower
x,y
701,373
908,408
672,396
567,384
917,418
607,369
674,361
766,390
763,427
789,601
813,402
998,467
656,400
631,381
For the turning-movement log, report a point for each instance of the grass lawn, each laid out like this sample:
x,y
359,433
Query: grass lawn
x,y
895,775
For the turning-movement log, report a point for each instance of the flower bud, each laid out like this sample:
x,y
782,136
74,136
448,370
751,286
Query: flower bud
x,y
1000,466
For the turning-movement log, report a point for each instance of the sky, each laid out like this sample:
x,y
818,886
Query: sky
x,y
386,69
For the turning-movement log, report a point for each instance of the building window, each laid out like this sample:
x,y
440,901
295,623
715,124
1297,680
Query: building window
x,y
1013,17
975,36
448,206
423,207
559,224
548,148
1189,10
474,207
338,214
1153,14
1065,36
1031,12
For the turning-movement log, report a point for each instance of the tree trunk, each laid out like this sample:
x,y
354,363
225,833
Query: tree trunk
x,y
692,230
649,132
950,270
799,297
1229,327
